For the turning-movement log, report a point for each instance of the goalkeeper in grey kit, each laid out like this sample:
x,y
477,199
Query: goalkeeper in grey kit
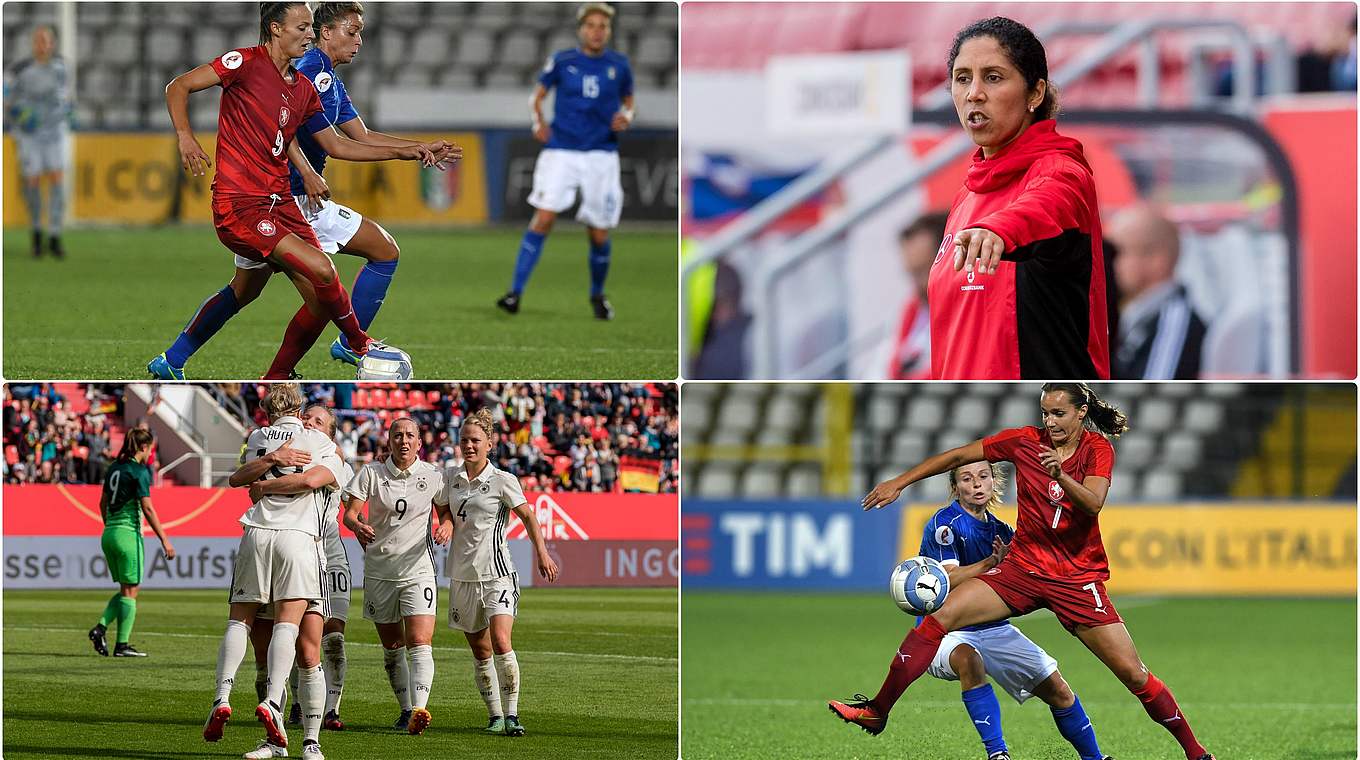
x,y
38,108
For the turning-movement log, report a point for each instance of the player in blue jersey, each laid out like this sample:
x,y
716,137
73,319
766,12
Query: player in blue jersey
x,y
593,103
969,541
339,30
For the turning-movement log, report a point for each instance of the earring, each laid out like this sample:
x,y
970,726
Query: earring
x,y
1031,109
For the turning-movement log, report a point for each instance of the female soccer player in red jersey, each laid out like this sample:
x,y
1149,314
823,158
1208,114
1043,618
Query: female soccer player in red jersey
x,y
1056,560
264,102
1023,294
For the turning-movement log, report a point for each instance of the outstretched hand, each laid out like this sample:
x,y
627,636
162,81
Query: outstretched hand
x,y
979,250
192,157
883,494
999,550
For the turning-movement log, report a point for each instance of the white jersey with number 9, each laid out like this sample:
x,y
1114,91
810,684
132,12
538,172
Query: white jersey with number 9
x,y
400,503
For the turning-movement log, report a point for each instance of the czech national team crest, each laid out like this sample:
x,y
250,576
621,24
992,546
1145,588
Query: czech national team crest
x,y
266,228
283,116
1055,491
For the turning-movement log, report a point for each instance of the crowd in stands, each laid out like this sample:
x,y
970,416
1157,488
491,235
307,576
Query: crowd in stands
x,y
48,441
554,436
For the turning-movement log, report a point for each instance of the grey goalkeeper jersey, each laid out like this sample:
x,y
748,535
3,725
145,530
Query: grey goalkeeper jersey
x,y
37,101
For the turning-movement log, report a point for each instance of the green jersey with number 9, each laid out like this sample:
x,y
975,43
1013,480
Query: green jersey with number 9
x,y
125,484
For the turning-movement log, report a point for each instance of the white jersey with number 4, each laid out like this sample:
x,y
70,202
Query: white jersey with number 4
x,y
303,511
481,512
399,506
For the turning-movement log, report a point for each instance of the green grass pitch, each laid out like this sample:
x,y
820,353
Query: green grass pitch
x,y
1259,679
122,295
599,670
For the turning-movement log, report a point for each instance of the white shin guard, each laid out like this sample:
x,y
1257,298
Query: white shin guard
x,y
507,672
484,673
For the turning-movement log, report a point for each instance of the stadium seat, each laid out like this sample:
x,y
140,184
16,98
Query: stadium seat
x,y
1156,415
519,48
561,464
716,481
119,47
415,399
924,413
11,454
1182,452
164,47
1203,416
908,447
397,399
762,481
209,43
359,398
804,481
971,414
434,397
884,413
696,412
1161,485
1137,450
785,414
378,398
475,47
1124,487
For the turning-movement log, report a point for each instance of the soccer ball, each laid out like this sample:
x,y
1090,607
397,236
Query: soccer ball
x,y
385,363
919,585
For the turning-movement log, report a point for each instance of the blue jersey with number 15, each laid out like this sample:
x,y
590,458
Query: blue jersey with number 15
x,y
954,536
589,91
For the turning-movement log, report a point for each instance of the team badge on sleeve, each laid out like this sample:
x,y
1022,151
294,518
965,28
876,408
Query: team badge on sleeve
x,y
548,66
944,536
233,59
323,81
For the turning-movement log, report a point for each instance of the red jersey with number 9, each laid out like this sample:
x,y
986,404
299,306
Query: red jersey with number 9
x,y
259,114
1053,538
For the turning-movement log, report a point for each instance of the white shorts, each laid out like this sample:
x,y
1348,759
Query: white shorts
x,y
40,154
1017,664
277,565
391,601
472,604
335,225
559,174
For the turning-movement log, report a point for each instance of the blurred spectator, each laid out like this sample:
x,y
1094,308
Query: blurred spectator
x,y
722,351
918,245
1160,337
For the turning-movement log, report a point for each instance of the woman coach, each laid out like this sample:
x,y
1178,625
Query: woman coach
x,y
1023,295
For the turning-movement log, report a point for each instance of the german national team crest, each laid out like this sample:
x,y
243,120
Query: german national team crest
x,y
1055,491
421,485
486,488
266,228
283,116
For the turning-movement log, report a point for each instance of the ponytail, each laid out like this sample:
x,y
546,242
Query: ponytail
x,y
1101,415
135,440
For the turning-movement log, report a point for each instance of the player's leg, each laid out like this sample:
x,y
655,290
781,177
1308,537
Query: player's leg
x,y
373,243
246,285
333,659
127,616
979,699
1069,716
396,665
114,545
417,606
283,640
554,190
530,249
601,208
501,602
1114,647
229,655
31,168
419,632
486,678
311,685
56,197
971,603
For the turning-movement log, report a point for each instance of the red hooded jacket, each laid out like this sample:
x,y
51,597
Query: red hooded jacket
x,y
1042,315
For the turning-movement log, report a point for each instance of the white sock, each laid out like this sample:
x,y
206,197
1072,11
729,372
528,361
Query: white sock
x,y
507,670
484,673
311,695
394,662
334,663
422,674
282,648
229,657
261,680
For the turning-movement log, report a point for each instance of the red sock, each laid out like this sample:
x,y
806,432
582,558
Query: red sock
x,y
912,659
1161,706
335,301
298,338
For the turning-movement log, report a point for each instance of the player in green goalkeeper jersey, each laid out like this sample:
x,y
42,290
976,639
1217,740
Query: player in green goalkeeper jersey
x,y
126,497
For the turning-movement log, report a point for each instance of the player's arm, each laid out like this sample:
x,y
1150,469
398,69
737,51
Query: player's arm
x,y
537,124
313,184
283,456
355,521
357,130
1088,495
958,574
191,155
313,479
887,492
104,503
546,567
624,118
345,149
154,521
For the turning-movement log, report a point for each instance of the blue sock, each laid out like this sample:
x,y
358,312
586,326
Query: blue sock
x,y
599,266
986,714
370,288
1077,729
211,315
530,248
